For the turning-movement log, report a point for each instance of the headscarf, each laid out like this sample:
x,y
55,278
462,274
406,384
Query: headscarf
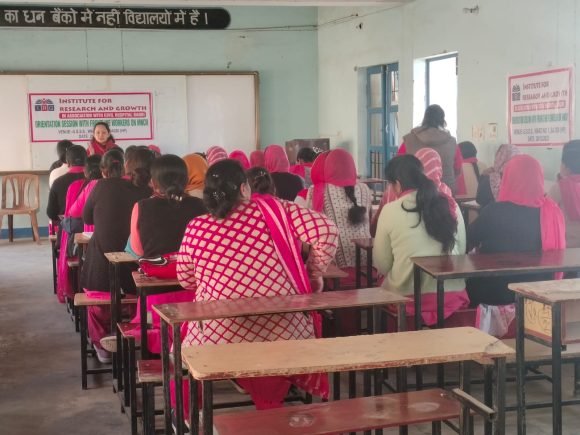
x,y
570,193
257,158
215,154
275,159
433,168
196,169
241,157
503,155
332,167
523,184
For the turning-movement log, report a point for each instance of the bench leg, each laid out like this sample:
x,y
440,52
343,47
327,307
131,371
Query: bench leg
x,y
193,406
126,373
487,395
336,386
10,228
499,399
83,315
207,392
54,256
132,367
148,408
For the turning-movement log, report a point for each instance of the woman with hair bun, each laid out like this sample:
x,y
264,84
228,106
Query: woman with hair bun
x,y
108,208
248,246
423,221
260,181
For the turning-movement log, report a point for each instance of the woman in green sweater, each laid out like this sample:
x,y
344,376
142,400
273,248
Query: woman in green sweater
x,y
421,222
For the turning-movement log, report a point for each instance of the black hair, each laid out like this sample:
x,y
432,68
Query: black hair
x,y
170,174
61,148
468,151
202,155
106,125
432,207
434,117
93,167
356,213
76,155
112,163
129,151
223,182
138,165
260,181
571,156
307,155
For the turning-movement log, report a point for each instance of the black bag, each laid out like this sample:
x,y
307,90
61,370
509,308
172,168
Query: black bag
x,y
71,226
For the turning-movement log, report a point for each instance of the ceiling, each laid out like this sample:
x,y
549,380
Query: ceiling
x,y
215,3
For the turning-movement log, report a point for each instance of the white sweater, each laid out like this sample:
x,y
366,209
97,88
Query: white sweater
x,y
398,239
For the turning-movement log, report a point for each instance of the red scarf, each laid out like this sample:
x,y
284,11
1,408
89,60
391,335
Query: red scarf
x,y
570,192
257,159
275,159
96,148
332,167
241,157
523,184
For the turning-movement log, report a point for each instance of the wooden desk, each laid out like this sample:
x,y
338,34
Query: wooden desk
x,y
175,315
333,273
540,315
367,245
459,199
328,355
481,265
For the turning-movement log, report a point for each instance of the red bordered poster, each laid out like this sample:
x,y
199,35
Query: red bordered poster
x,y
541,107
57,116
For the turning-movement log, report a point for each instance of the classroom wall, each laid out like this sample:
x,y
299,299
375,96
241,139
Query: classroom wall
x,y
504,38
285,56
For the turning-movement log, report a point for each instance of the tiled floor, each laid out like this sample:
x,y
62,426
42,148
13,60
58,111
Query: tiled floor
x,y
40,388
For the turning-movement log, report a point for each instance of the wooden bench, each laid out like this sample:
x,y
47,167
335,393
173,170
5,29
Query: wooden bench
x,y
174,315
343,416
81,302
149,375
366,352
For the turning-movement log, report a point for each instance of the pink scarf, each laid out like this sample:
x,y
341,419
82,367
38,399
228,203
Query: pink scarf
x,y
433,168
257,158
275,159
523,184
570,192
503,155
334,167
241,157
215,154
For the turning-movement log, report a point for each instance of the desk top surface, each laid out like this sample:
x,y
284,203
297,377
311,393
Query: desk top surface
x,y
363,352
507,263
144,281
207,310
332,271
464,198
120,257
550,292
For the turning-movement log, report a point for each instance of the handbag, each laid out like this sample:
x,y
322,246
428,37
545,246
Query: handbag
x,y
164,266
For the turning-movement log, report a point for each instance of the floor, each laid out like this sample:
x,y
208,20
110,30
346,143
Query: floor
x,y
40,388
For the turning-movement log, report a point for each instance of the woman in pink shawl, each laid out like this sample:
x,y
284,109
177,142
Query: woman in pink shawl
x,y
489,183
432,168
241,157
257,159
276,162
566,192
523,219
215,154
260,236
76,197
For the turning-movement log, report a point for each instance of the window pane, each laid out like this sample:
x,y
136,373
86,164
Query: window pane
x,y
375,91
443,89
376,129
394,79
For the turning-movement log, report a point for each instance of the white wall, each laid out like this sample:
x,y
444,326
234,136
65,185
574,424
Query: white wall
x,y
504,38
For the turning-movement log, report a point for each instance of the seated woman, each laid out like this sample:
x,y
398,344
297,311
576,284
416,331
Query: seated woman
x,y
522,220
248,247
432,168
287,185
92,172
489,182
108,208
472,169
196,170
338,195
257,159
304,161
566,192
157,227
241,157
214,154
421,222
260,181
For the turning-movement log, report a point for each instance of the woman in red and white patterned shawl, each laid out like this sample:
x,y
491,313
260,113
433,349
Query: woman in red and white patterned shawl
x,y
249,246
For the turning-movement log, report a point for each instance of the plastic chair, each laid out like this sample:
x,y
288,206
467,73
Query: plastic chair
x,y
20,195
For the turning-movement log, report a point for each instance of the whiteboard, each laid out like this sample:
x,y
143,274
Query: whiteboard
x,y
191,112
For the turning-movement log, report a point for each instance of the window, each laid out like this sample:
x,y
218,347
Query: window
x,y
441,87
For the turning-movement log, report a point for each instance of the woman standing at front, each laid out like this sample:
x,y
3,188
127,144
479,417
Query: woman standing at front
x,y
249,246
102,140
